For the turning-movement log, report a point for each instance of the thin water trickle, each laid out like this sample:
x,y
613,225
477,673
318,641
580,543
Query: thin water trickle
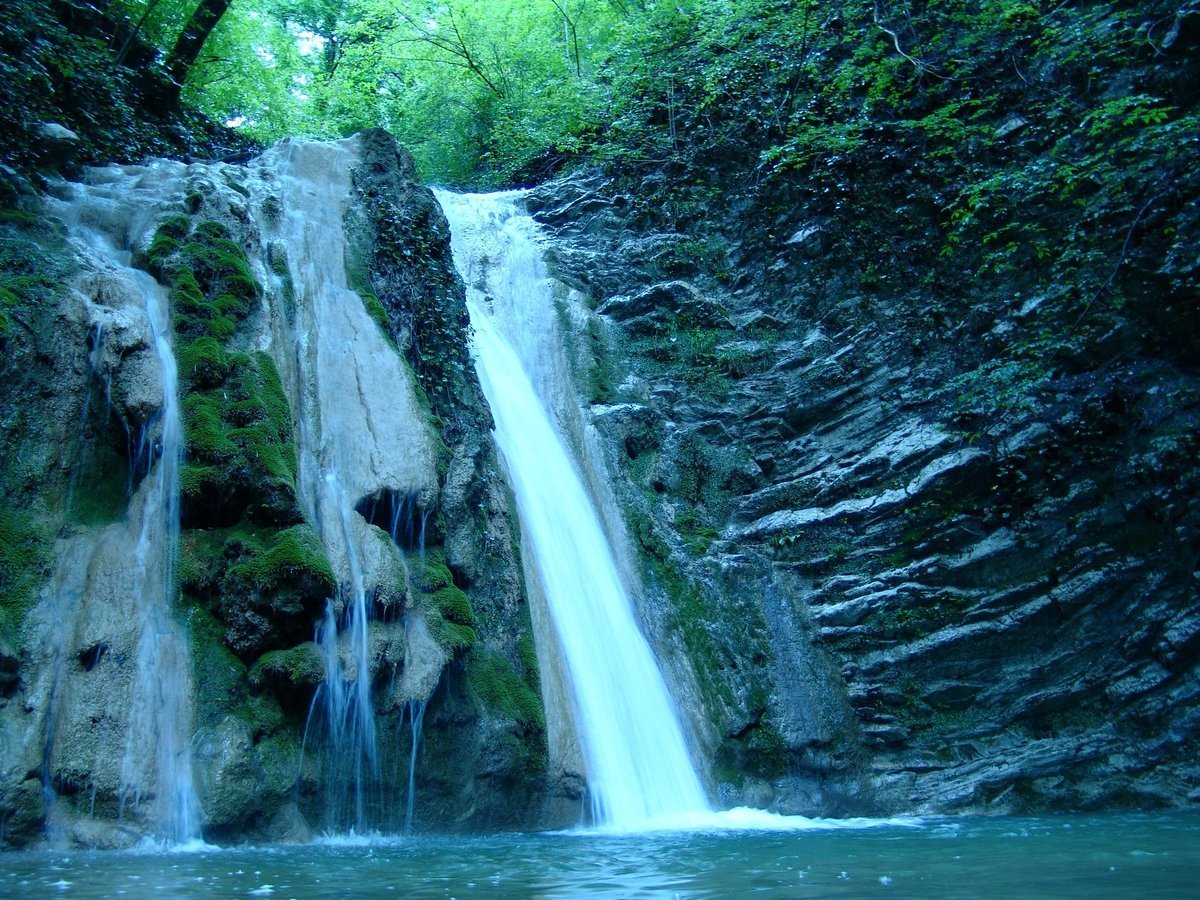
x,y
361,441
638,767
415,710
155,774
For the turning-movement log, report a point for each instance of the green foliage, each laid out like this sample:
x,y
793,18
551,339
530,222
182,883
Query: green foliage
x,y
1048,151
481,92
86,67
25,560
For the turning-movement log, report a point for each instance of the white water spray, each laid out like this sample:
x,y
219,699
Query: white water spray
x,y
639,769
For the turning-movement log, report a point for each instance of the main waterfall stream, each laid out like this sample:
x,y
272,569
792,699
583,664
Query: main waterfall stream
x,y
638,769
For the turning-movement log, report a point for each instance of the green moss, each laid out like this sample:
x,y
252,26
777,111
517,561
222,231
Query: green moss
x,y
601,377
210,230
263,713
101,492
502,690
297,667
176,227
452,636
376,311
33,259
238,429
290,556
197,481
527,651
218,675
203,363
761,752
17,215
26,555
205,433
201,561
433,574
725,641
454,606
267,584
447,608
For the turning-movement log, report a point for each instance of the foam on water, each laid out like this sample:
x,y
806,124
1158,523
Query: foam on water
x,y
748,819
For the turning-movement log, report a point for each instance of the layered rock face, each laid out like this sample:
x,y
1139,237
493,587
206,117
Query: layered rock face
x,y
348,589
886,600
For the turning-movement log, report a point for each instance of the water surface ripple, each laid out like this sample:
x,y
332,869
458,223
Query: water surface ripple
x,y
1150,855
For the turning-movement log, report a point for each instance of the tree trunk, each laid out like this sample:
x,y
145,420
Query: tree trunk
x,y
191,40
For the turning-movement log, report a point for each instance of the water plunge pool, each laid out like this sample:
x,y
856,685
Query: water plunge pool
x,y
1147,855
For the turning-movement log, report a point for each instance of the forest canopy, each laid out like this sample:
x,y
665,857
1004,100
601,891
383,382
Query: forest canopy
x,y
1052,145
492,92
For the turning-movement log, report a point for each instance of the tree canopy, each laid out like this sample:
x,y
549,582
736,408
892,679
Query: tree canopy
x,y
1039,141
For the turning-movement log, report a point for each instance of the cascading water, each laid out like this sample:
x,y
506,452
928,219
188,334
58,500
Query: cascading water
x,y
161,702
313,204
155,773
361,436
639,771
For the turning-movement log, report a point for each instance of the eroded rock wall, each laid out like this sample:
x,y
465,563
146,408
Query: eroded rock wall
x,y
898,591
420,526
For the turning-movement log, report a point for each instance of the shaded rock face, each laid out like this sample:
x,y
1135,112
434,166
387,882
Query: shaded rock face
x,y
892,600
419,524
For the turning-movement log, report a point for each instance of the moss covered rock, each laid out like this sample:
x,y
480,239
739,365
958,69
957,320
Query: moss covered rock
x,y
299,669
268,586
25,559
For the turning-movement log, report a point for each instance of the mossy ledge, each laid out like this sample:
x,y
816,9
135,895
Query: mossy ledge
x,y
241,458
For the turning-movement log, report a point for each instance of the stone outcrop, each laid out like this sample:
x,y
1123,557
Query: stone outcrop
x,y
420,520
893,600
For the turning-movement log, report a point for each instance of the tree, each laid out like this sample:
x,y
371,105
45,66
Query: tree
x,y
191,41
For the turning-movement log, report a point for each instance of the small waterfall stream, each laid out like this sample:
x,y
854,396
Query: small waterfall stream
x,y
315,183
638,768
361,435
137,558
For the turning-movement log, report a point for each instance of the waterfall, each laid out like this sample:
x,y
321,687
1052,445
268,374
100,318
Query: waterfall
x,y
161,703
638,767
361,435
314,181
125,599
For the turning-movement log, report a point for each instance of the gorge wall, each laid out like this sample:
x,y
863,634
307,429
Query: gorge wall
x,y
890,586
876,585
342,509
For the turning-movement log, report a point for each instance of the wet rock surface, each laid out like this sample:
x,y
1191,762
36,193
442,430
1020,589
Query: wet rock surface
x,y
935,608
426,514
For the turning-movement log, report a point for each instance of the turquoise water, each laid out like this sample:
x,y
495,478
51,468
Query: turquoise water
x,y
1070,856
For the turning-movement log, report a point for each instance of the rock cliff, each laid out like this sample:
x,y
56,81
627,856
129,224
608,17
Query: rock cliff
x,y
348,581
900,583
